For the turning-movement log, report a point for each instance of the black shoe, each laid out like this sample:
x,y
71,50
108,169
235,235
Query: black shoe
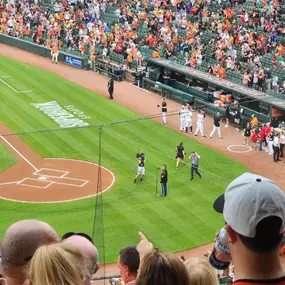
x,y
196,136
278,159
135,180
141,180
191,179
210,137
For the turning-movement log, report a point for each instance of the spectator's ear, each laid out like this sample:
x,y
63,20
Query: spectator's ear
x,y
97,267
232,235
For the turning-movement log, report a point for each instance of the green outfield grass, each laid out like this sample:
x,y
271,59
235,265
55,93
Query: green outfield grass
x,y
6,158
183,220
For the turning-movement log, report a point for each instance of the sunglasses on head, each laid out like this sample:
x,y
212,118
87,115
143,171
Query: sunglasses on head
x,y
70,234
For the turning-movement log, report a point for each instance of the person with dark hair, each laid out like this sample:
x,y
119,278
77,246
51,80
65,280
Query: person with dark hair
x,y
162,268
129,263
254,210
163,180
180,154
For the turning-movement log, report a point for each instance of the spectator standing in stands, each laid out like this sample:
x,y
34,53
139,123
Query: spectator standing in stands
x,y
129,262
200,271
216,127
194,165
161,268
200,124
254,212
57,264
85,244
276,147
111,88
19,244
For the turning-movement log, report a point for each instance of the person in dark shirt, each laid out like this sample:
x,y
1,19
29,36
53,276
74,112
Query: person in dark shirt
x,y
164,180
246,133
164,111
111,88
216,127
180,154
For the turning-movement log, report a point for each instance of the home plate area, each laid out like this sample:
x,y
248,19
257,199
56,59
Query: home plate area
x,y
45,177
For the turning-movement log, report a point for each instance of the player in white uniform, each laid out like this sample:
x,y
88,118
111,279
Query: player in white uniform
x,y
182,114
189,124
200,124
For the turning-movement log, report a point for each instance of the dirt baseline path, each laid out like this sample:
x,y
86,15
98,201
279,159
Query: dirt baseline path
x,y
47,180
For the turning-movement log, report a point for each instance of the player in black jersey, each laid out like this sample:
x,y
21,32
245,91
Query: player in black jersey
x,y
180,154
141,167
163,110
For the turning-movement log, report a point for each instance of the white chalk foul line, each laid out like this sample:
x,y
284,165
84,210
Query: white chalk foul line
x,y
3,81
8,85
6,183
19,153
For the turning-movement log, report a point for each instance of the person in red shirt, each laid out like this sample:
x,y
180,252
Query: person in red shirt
x,y
254,139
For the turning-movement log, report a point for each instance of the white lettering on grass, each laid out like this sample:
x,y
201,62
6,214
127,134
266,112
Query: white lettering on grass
x,y
62,117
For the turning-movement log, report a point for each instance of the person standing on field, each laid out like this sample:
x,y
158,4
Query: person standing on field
x,y
164,111
200,124
180,154
216,127
182,115
194,164
163,180
189,124
111,88
54,53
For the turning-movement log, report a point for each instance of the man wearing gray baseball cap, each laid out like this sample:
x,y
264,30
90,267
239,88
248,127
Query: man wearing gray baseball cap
x,y
254,211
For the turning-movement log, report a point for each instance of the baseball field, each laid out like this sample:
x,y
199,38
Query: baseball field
x,y
49,150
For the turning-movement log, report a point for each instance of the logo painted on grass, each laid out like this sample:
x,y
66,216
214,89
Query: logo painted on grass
x,y
62,117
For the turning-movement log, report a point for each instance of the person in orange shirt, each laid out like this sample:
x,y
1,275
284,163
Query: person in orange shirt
x,y
222,73
54,53
155,54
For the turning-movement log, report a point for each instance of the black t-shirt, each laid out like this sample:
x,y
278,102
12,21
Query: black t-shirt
x,y
217,120
163,177
164,107
141,162
247,132
180,150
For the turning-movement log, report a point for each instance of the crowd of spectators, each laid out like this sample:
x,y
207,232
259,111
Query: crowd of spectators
x,y
33,254
199,31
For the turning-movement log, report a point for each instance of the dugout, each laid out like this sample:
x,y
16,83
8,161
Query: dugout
x,y
170,78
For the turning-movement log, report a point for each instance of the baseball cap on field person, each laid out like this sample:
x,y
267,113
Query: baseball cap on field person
x,y
250,199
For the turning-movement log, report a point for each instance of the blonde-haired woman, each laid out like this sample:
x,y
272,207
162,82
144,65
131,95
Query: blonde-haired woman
x,y
60,264
200,271
162,268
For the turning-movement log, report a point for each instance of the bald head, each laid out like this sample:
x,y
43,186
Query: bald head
x,y
87,248
20,242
